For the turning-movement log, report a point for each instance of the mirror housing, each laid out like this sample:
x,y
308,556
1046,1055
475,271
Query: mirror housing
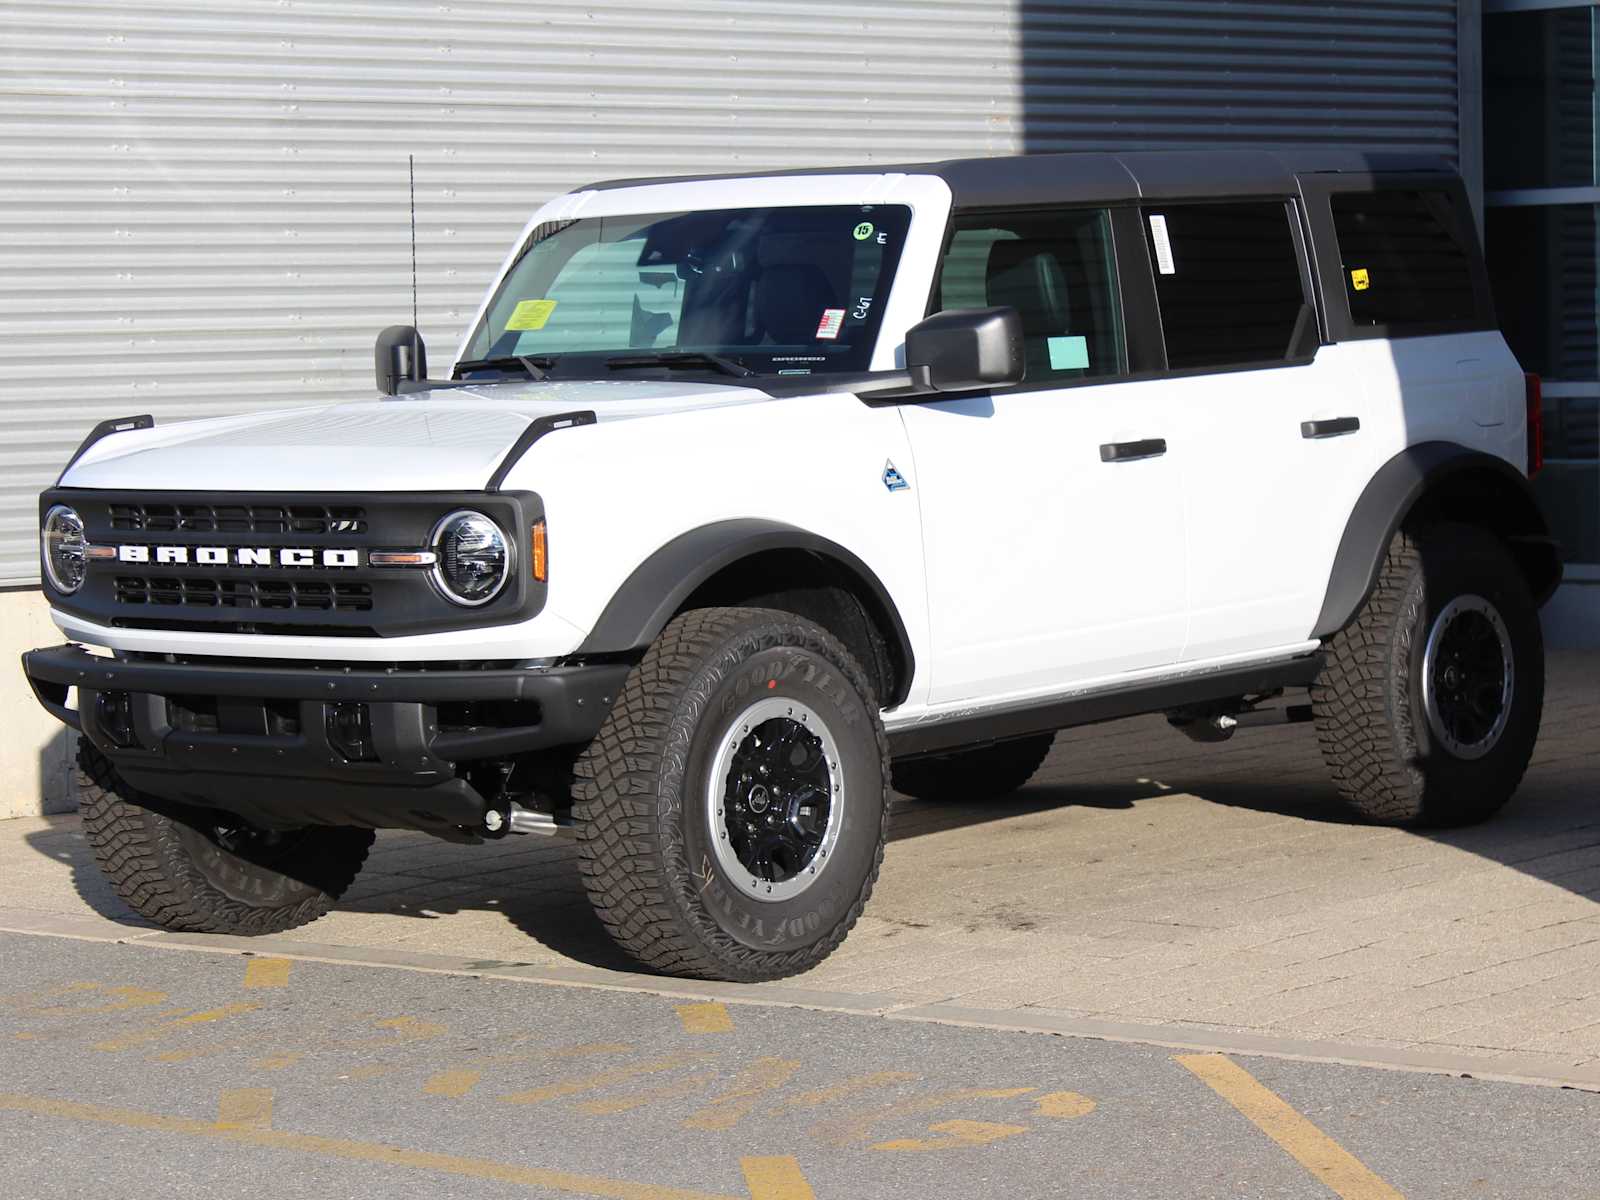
x,y
398,358
966,349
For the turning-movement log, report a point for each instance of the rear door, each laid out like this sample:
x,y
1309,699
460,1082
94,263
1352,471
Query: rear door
x,y
1270,435
1052,511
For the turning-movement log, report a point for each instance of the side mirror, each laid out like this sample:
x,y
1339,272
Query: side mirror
x,y
965,349
399,357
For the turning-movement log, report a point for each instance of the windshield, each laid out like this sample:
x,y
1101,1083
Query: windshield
x,y
781,291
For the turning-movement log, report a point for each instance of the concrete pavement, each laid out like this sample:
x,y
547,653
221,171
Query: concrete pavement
x,y
1141,887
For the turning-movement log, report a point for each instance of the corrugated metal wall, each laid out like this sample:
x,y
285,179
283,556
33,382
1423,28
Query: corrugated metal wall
x,y
203,205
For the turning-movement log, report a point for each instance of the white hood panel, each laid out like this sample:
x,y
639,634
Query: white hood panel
x,y
448,440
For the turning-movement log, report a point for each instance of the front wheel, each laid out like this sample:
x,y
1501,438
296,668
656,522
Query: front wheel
x,y
202,871
1428,704
733,810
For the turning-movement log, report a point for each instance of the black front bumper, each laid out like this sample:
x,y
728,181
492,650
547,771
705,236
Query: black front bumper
x,y
288,746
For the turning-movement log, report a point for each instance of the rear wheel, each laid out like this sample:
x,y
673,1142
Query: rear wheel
x,y
985,773
207,871
732,809
1428,704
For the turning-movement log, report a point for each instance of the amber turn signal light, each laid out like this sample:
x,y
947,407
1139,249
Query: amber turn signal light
x,y
541,553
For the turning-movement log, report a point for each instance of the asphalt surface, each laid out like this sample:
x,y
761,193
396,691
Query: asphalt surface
x,y
136,1071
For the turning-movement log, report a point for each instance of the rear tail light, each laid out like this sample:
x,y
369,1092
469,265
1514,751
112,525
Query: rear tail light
x,y
1535,424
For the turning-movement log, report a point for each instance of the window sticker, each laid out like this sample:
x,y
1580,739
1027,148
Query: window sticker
x,y
832,321
1360,280
1068,353
531,314
863,231
1163,244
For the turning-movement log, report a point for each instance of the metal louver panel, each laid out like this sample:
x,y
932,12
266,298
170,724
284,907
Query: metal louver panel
x,y
203,204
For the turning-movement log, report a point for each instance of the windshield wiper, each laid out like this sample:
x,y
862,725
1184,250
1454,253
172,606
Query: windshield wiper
x,y
682,358
535,366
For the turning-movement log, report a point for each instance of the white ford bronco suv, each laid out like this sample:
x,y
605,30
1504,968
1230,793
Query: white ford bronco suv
x,y
749,496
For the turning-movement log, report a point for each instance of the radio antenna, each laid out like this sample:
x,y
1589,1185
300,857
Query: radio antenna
x,y
411,166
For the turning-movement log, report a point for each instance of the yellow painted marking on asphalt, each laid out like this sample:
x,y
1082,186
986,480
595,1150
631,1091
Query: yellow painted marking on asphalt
x,y
858,1126
267,972
1064,1105
453,1084
621,1104
126,998
850,1087
245,1108
775,1179
956,1134
705,1018
140,1037
30,998
277,1062
750,1086
354,1151
1339,1170
411,1029
589,1083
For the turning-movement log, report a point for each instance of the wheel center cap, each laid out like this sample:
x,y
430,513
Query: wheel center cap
x,y
759,799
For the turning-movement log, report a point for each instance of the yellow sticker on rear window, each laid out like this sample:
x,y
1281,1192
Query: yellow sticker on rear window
x,y
531,314
1360,280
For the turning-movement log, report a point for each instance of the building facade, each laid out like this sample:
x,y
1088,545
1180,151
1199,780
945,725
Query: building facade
x,y
208,202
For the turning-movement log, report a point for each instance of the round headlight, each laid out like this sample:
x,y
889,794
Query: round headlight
x,y
475,558
61,546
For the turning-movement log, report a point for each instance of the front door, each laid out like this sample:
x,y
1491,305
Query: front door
x,y
1052,514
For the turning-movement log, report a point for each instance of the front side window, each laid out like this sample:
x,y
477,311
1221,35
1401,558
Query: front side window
x,y
777,290
1402,262
1228,282
1056,269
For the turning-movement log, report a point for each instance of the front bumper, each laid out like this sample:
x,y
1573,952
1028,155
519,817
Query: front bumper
x,y
294,745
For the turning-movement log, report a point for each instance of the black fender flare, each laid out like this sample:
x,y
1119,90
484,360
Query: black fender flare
x,y
659,586
1504,499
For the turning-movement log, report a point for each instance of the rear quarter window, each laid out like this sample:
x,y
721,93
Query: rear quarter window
x,y
1403,259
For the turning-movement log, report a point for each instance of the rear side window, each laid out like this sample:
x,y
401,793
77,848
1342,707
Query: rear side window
x,y
1228,282
1402,260
1056,269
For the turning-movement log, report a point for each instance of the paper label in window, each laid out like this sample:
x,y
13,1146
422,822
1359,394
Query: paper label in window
x,y
1360,280
531,314
1068,353
1163,244
832,321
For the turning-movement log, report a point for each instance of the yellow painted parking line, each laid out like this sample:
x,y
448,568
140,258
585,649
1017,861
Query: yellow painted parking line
x,y
267,972
451,1084
775,1179
705,1018
1339,1170
748,1089
139,1037
371,1152
245,1108
600,1079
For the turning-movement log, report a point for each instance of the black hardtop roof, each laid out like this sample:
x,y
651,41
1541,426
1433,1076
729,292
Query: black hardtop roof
x,y
1028,179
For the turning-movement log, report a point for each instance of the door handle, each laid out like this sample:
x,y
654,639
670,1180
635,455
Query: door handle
x,y
1332,427
1130,451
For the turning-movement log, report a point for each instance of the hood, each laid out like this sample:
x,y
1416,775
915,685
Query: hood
x,y
444,440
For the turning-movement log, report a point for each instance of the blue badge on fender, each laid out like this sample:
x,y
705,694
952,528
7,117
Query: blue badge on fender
x,y
892,479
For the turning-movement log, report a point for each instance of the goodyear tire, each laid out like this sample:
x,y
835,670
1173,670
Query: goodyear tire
x,y
1428,704
205,872
733,810
985,773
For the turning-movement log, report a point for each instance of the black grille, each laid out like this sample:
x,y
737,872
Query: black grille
x,y
244,593
239,518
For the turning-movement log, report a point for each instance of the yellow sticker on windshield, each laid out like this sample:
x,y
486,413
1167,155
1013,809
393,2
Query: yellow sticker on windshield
x,y
1360,280
531,314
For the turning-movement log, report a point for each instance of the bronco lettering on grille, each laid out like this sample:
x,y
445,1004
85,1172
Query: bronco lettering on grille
x,y
239,556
